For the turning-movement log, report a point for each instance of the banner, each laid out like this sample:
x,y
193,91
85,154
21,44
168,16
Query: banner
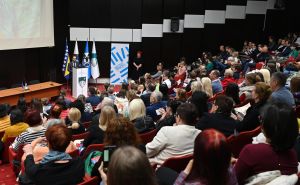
x,y
119,58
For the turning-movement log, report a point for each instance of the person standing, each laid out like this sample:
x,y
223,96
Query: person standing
x,y
137,66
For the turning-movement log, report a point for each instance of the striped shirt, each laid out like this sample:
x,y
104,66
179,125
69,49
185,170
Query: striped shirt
x,y
28,136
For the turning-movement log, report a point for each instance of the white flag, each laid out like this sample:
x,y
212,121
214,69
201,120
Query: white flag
x,y
94,63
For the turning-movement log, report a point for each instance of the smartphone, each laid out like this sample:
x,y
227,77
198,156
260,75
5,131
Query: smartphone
x,y
108,151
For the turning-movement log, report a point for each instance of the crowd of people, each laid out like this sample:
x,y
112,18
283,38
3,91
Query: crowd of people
x,y
194,107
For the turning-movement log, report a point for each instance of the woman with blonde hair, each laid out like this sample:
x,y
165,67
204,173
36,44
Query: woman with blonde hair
x,y
74,116
96,132
207,87
137,115
196,86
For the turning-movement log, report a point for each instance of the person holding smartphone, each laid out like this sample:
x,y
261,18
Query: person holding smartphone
x,y
128,165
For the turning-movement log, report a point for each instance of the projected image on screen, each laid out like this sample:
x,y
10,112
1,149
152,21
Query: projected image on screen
x,y
20,20
26,24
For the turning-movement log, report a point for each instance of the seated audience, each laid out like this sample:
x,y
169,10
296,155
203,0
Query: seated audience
x,y
35,130
122,102
75,125
150,87
97,131
63,95
279,92
88,108
280,127
156,103
166,80
137,115
295,89
163,88
93,99
181,72
36,104
193,78
199,99
57,167
220,117
128,165
40,147
211,159
22,105
228,78
4,118
17,125
159,72
215,81
232,90
54,114
260,95
207,86
181,95
248,85
172,141
196,86
168,114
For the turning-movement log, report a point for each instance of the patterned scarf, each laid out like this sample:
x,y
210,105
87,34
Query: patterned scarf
x,y
55,156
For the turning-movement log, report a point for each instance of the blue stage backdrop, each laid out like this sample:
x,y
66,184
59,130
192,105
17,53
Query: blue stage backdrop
x,y
119,63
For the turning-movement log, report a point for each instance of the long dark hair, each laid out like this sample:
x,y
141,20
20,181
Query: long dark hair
x,y
211,158
280,126
232,90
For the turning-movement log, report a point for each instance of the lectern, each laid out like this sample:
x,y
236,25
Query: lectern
x,y
79,82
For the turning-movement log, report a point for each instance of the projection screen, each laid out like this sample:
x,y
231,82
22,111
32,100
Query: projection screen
x,y
26,24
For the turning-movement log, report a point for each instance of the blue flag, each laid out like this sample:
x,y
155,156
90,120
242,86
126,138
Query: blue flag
x,y
86,59
66,64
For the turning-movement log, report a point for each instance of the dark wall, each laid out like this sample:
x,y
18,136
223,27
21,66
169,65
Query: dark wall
x,y
45,63
37,63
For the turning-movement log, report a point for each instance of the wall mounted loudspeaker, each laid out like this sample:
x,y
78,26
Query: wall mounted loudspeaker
x,y
174,24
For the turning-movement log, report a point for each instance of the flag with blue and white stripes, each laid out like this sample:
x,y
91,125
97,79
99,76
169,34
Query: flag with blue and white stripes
x,y
67,67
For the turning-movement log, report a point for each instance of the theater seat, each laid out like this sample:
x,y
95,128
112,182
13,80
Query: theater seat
x,y
237,143
148,136
80,136
177,163
7,143
90,181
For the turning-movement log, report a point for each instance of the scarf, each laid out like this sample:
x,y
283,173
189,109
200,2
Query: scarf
x,y
55,156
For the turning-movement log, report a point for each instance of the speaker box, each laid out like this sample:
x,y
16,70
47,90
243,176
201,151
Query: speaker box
x,y
174,24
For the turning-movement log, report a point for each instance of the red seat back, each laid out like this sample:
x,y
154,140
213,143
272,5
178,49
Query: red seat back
x,y
80,136
7,143
98,147
87,124
237,143
148,136
15,156
178,163
90,181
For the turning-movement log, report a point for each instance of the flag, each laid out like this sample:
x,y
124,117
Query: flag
x,y
86,59
75,58
94,63
66,65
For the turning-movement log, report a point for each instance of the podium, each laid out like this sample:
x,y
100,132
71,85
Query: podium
x,y
79,82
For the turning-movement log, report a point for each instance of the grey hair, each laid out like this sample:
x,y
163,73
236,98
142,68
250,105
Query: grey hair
x,y
52,122
158,95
